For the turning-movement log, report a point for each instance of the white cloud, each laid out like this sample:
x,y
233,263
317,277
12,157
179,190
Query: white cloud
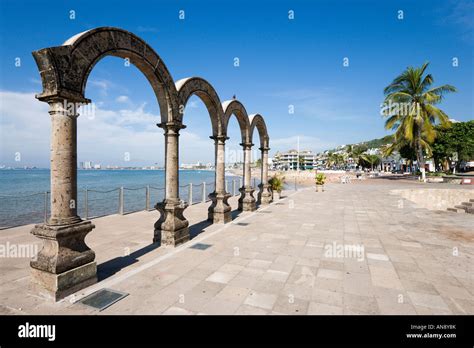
x,y
192,104
103,138
122,99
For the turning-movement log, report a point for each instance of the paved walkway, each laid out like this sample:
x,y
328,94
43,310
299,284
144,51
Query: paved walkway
x,y
301,255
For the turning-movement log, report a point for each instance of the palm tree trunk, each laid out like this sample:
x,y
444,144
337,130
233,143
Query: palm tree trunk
x,y
419,154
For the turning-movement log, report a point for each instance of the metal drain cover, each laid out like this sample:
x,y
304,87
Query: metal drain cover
x,y
200,246
103,298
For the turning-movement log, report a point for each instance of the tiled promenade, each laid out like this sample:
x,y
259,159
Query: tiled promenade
x,y
274,261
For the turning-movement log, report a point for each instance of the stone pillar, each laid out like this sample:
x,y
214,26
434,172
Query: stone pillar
x,y
246,200
220,210
172,227
65,264
264,195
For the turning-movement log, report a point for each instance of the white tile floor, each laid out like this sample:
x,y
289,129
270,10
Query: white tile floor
x,y
277,262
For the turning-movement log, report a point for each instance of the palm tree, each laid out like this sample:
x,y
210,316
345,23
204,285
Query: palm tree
x,y
357,153
410,107
334,160
372,160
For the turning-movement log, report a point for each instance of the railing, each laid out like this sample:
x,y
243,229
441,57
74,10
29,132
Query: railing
x,y
92,203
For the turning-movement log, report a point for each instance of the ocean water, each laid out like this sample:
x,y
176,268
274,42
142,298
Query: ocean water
x,y
23,193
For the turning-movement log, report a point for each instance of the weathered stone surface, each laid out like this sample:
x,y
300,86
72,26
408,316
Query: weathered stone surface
x,y
264,195
234,107
172,227
65,262
220,210
247,200
57,286
64,247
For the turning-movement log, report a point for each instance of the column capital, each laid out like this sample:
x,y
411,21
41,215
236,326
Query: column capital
x,y
64,107
247,146
63,95
264,149
171,128
219,138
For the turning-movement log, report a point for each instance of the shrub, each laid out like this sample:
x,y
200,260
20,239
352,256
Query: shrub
x,y
320,179
276,183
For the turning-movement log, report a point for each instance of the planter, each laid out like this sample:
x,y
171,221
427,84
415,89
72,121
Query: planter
x,y
319,188
276,195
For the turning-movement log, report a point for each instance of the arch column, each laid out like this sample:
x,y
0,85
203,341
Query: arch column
x,y
220,210
65,264
247,200
264,196
172,227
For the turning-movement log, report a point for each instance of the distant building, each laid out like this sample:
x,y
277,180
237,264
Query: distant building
x,y
293,160
97,166
87,165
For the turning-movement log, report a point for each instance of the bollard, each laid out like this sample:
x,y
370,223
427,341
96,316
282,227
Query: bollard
x,y
190,194
147,194
86,205
121,201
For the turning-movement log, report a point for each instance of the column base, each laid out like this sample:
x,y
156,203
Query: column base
x,y
64,247
65,263
57,286
247,201
172,227
220,210
264,195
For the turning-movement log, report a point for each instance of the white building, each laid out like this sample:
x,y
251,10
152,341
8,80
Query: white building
x,y
293,160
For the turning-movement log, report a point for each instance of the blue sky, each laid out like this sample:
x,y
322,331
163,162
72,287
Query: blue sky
x,y
282,62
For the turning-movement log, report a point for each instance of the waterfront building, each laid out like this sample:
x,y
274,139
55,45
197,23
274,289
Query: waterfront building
x,y
293,160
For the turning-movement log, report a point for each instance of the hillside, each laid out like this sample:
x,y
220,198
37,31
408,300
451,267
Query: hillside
x,y
378,142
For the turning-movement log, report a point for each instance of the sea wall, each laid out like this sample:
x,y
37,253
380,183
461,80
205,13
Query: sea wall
x,y
436,199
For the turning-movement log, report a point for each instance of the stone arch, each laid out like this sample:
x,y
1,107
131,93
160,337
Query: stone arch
x,y
257,121
234,107
65,69
204,90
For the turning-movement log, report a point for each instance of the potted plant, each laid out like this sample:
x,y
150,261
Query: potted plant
x,y
276,183
320,180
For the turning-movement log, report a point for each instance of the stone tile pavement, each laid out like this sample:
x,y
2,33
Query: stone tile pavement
x,y
353,249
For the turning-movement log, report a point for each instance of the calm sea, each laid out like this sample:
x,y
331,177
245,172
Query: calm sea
x,y
22,192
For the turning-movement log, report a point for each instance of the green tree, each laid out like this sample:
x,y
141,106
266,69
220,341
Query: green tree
x,y
410,110
335,160
369,161
357,152
458,139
